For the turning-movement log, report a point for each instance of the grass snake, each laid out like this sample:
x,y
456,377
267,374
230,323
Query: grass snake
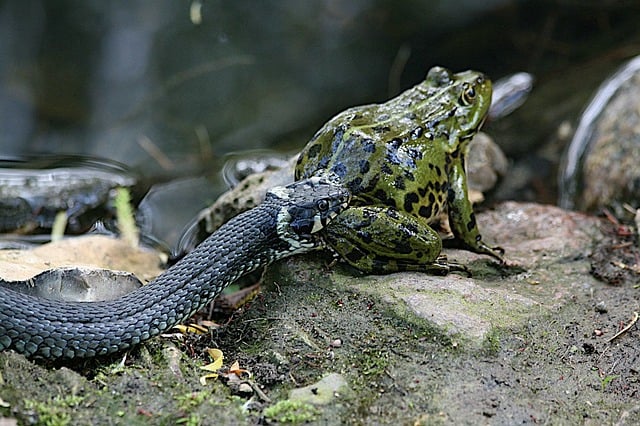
x,y
286,223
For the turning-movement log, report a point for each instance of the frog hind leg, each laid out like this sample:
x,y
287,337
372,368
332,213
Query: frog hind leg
x,y
382,240
462,220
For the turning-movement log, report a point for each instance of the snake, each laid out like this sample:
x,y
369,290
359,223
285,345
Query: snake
x,y
288,222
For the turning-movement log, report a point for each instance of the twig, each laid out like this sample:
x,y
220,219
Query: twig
x,y
624,330
263,396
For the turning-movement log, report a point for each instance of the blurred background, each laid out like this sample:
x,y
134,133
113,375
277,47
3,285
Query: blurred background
x,y
169,87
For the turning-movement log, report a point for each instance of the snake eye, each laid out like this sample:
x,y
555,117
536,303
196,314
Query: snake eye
x,y
322,205
468,95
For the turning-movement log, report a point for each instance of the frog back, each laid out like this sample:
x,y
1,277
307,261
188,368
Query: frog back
x,y
384,156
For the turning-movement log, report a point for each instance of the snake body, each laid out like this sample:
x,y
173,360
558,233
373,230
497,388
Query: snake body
x,y
286,223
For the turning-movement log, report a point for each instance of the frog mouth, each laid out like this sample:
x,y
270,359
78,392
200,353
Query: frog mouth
x,y
476,129
472,132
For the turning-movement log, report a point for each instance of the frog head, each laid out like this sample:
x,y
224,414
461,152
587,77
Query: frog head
x,y
464,99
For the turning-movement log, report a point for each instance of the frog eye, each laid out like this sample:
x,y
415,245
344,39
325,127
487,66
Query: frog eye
x,y
322,205
468,95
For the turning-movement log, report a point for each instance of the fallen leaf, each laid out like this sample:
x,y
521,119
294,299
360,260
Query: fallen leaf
x,y
191,328
217,357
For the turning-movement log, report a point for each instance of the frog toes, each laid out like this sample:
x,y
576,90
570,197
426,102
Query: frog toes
x,y
456,267
496,252
334,258
444,266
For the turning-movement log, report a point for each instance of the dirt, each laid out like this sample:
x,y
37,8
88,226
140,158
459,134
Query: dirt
x,y
546,353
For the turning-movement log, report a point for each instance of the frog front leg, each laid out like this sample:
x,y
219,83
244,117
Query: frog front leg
x,y
381,240
462,220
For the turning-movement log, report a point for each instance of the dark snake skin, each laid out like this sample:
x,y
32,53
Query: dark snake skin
x,y
285,224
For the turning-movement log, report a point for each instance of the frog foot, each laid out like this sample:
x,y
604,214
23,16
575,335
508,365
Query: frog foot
x,y
442,266
496,252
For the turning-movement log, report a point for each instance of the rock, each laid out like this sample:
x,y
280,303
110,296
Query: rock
x,y
486,163
90,251
322,392
544,248
601,164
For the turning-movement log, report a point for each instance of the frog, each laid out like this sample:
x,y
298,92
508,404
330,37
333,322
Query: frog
x,y
404,163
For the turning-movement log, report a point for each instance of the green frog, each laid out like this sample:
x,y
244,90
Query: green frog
x,y
404,163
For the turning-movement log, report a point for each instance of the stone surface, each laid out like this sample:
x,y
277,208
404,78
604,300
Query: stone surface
x,y
323,392
91,251
546,262
523,344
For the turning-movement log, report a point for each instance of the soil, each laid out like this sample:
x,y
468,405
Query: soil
x,y
532,342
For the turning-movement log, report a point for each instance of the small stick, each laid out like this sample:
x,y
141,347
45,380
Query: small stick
x,y
624,330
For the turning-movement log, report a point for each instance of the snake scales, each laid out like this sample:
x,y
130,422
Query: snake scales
x,y
286,223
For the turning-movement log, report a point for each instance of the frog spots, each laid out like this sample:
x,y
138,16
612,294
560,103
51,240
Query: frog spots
x,y
416,133
398,183
386,169
364,236
426,211
432,193
436,169
402,155
415,153
394,144
340,170
313,151
411,229
384,198
368,146
471,225
410,199
354,255
355,185
451,195
392,213
324,162
364,166
381,130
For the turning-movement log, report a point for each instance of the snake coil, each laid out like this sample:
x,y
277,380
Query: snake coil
x,y
286,223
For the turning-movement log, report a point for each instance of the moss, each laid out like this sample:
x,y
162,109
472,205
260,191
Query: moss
x,y
55,411
293,412
186,402
491,343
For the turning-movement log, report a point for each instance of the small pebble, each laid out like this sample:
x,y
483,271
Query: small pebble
x,y
336,343
245,388
598,332
601,307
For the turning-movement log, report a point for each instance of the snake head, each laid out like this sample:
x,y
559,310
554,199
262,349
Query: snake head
x,y
306,207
